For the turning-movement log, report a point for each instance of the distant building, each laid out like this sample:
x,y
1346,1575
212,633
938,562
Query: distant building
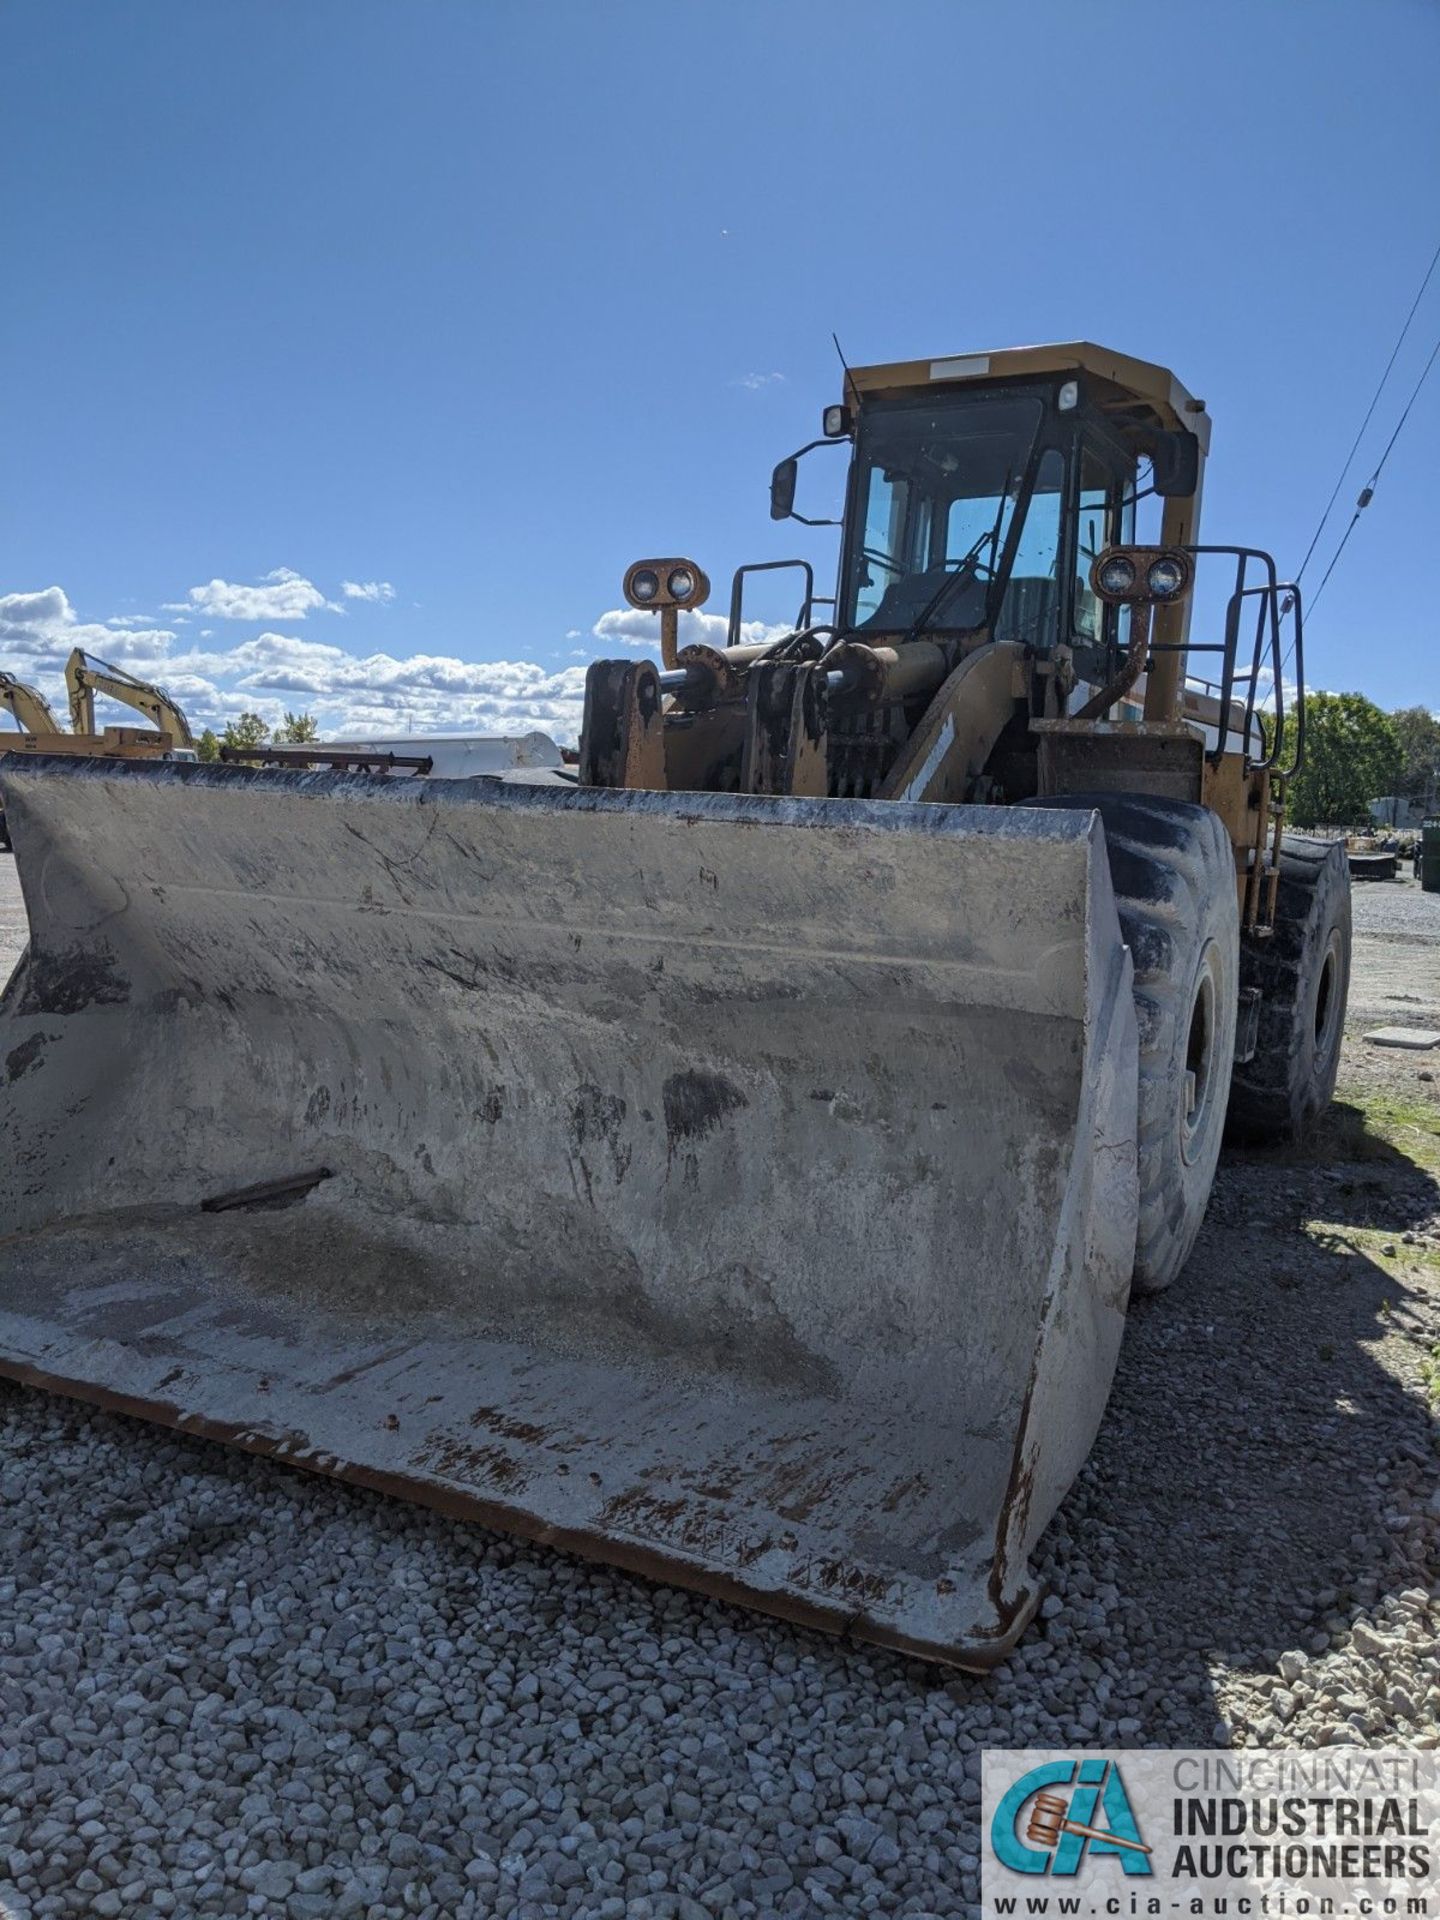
x,y
458,756
1396,810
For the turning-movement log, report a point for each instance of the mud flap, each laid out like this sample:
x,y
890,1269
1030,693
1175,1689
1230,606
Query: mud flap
x,y
738,1190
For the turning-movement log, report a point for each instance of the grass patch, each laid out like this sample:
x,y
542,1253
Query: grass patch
x,y
1377,1126
1381,1245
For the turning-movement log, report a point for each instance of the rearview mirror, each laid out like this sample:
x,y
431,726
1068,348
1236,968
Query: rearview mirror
x,y
782,489
1175,463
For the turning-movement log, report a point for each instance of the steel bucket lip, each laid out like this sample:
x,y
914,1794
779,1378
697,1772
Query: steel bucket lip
x,y
81,1381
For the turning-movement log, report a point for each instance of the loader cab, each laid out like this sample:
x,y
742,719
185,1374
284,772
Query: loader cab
x,y
978,509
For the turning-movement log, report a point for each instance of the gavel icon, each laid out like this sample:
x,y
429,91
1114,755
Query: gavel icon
x,y
1047,1823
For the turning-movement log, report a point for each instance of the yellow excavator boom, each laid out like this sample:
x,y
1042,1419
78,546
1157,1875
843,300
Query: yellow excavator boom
x,y
32,711
84,678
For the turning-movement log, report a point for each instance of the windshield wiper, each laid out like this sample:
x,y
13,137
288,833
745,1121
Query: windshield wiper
x,y
966,569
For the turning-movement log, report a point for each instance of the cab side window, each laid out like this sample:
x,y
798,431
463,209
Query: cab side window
x,y
1105,517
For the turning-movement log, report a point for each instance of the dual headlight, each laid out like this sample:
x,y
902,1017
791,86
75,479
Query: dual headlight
x,y
666,583
1125,575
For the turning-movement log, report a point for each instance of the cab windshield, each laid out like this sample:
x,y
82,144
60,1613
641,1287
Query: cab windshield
x,y
957,521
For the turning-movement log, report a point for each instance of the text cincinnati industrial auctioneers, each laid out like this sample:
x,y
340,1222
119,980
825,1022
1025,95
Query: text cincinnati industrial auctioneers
x,y
1345,1831
1356,1816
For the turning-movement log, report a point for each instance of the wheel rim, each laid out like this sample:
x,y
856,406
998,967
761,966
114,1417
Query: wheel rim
x,y
1200,1077
1327,1001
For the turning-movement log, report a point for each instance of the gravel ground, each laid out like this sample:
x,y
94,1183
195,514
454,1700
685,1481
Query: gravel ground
x,y
1397,971
227,1688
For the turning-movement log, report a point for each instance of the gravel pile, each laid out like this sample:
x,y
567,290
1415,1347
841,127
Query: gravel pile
x,y
1375,1681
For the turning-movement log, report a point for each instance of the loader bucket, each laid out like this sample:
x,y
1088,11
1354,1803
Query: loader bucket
x,y
738,1190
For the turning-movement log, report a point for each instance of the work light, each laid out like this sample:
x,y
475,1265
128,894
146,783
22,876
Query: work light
x,y
1115,576
1142,575
1166,576
666,586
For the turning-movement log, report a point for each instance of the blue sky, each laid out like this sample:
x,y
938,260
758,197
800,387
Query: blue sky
x,y
469,305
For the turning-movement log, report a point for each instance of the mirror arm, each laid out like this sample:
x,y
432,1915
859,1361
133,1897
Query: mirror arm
x,y
792,460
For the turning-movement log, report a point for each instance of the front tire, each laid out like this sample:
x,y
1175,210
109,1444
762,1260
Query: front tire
x,y
1173,872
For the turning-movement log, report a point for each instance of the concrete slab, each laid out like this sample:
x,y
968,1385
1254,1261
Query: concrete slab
x,y
1416,1039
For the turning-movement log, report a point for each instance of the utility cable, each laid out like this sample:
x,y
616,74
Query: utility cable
x,y
1369,415
1367,492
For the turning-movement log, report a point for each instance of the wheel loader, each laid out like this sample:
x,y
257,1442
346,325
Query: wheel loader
x,y
730,1157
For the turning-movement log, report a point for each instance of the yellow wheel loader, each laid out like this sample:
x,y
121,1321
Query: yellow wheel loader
x,y
730,1157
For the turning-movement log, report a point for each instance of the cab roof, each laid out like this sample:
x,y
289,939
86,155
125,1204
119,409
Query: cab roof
x,y
1119,378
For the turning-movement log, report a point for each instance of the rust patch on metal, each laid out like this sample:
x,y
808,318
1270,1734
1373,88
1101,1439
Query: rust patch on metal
x,y
474,1466
508,1427
678,1523
838,1576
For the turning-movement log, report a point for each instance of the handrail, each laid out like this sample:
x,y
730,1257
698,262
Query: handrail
x,y
737,593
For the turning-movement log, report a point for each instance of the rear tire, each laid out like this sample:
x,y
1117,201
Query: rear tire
x,y
1173,871
1303,973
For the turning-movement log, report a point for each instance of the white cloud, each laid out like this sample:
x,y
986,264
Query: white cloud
x,y
632,627
375,590
41,628
349,694
281,595
753,382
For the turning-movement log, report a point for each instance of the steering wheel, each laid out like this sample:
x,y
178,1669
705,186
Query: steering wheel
x,y
884,560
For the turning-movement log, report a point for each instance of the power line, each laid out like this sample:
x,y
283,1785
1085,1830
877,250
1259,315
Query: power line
x,y
1369,415
1368,491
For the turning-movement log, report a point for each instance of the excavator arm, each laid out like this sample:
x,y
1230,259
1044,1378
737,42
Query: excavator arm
x,y
84,678
33,712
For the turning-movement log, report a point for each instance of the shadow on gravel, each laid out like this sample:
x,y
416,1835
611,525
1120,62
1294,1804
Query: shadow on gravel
x,y
1257,1476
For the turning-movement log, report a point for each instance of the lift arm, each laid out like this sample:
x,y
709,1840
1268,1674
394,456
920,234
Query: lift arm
x,y
32,711
85,678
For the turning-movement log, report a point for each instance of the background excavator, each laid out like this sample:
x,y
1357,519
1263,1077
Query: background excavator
x,y
41,733
732,1156
84,678
32,714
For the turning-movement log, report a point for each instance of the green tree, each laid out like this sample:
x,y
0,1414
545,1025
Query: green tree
x,y
207,747
1419,734
248,731
1352,756
298,730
